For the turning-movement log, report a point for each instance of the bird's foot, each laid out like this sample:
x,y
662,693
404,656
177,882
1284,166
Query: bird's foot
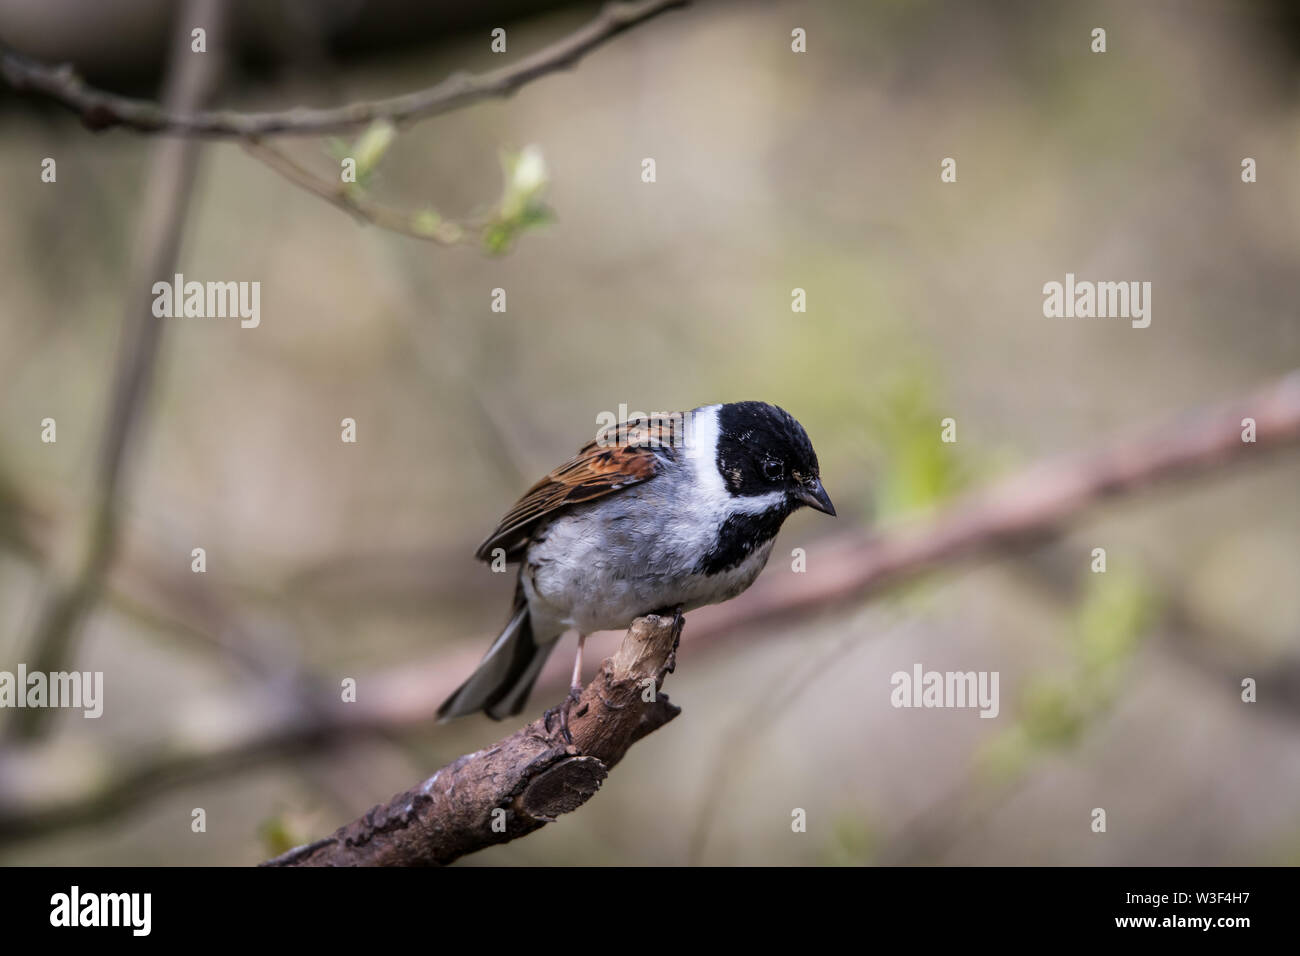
x,y
674,612
562,711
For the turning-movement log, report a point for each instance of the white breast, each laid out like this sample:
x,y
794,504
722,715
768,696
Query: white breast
x,y
599,565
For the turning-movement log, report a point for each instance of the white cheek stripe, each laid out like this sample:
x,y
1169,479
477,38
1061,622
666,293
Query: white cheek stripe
x,y
702,453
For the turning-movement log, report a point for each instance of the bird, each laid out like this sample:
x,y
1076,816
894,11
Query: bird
x,y
665,511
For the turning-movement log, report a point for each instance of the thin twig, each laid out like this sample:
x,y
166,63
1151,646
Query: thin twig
x,y
350,201
101,110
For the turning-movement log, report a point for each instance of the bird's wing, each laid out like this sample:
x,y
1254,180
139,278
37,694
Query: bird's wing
x,y
597,470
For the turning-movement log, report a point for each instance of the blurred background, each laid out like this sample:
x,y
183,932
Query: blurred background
x,y
775,170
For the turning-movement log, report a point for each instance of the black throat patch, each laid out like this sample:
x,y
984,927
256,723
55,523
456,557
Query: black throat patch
x,y
739,537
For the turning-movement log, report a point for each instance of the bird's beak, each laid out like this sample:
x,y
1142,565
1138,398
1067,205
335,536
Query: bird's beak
x,y
815,496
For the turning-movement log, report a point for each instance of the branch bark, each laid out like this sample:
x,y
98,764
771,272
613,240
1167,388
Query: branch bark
x,y
522,782
102,110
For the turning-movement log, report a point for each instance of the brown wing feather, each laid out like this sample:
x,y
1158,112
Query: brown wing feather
x,y
597,470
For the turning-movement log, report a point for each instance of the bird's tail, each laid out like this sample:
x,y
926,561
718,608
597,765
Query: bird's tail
x,y
500,685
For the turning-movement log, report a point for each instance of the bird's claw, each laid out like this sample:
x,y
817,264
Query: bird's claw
x,y
562,710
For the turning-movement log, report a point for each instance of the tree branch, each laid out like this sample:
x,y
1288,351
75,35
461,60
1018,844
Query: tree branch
x,y
521,783
101,110
850,568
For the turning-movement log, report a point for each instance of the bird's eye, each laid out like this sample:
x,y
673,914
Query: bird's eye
x,y
773,470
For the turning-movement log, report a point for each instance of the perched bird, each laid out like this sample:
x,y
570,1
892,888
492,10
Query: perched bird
x,y
673,511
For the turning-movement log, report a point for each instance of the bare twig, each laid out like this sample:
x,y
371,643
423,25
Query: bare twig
x,y
101,110
522,782
190,81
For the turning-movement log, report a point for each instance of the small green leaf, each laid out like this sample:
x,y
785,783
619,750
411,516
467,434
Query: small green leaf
x,y
372,145
427,222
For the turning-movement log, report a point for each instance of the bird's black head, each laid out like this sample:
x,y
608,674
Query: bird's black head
x,y
761,449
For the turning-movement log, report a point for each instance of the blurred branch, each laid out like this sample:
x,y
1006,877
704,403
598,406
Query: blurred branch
x,y
169,768
1027,507
521,783
1020,509
101,110
190,79
167,599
